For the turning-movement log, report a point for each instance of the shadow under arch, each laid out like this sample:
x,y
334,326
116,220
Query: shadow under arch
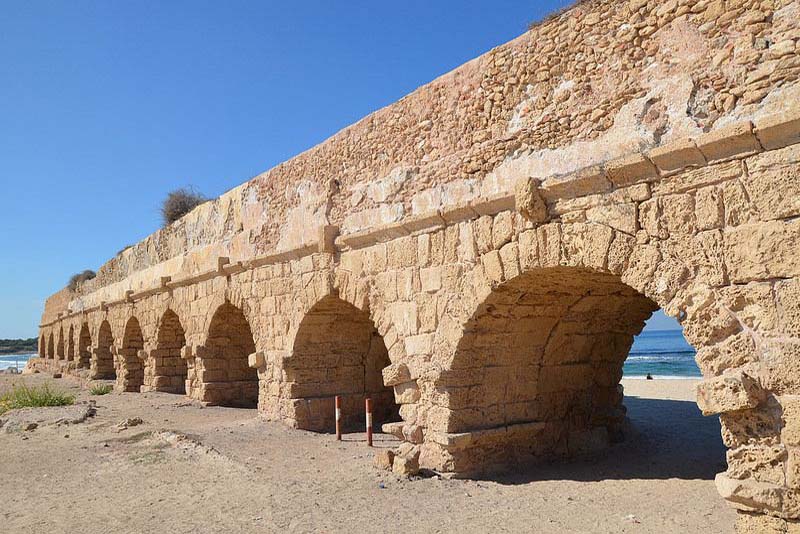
x,y
71,344
165,370
536,372
51,350
130,370
60,344
220,373
84,355
102,362
338,351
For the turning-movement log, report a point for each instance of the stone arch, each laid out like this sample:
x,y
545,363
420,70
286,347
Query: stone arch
x,y
220,373
129,367
84,354
71,344
60,344
102,363
42,346
463,431
536,370
337,350
51,350
165,369
232,296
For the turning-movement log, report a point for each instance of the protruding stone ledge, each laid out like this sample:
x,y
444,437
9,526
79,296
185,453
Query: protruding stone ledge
x,y
779,130
589,180
676,157
751,495
454,441
256,360
631,169
733,141
729,392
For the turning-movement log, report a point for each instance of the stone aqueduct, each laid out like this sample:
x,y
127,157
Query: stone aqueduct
x,y
478,257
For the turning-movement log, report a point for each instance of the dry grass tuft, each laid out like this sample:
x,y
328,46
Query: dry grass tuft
x,y
79,278
180,202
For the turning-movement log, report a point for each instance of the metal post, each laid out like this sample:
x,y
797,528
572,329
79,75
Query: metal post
x,y
338,418
368,405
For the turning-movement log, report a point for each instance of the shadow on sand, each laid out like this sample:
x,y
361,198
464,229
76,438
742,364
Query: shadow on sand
x,y
665,439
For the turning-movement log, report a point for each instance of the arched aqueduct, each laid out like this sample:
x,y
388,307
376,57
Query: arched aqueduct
x,y
478,257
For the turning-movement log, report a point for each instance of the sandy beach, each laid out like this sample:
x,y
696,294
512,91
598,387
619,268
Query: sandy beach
x,y
233,472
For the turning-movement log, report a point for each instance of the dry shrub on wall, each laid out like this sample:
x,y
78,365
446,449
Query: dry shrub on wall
x,y
79,278
180,202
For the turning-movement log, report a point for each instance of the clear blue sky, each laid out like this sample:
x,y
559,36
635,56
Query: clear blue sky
x,y
105,106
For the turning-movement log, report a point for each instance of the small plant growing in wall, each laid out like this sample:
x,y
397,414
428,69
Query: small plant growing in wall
x,y
101,389
180,202
78,278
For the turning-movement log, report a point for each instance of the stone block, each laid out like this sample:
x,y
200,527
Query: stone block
x,y
733,140
529,201
676,156
256,360
431,279
630,169
708,209
396,373
730,392
763,251
773,185
790,418
406,393
780,129
761,462
750,495
586,181
406,460
493,266
383,460
421,344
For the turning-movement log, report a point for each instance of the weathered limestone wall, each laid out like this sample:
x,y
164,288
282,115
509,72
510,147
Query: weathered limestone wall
x,y
599,81
493,242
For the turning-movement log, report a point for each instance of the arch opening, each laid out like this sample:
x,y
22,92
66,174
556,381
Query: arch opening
x,y
165,370
221,369
338,351
130,369
71,344
42,347
84,355
537,370
51,350
102,364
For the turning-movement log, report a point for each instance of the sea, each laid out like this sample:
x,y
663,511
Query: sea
x,y
662,354
14,360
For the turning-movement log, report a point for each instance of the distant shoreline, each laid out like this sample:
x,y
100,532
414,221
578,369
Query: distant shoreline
x,y
13,347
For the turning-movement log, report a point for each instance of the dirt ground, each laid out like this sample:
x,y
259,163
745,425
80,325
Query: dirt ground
x,y
193,469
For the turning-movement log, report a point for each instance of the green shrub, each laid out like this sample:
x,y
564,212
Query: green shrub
x,y
79,278
101,389
23,396
180,202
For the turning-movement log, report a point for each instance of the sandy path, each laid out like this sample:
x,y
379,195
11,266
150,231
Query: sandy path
x,y
244,475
